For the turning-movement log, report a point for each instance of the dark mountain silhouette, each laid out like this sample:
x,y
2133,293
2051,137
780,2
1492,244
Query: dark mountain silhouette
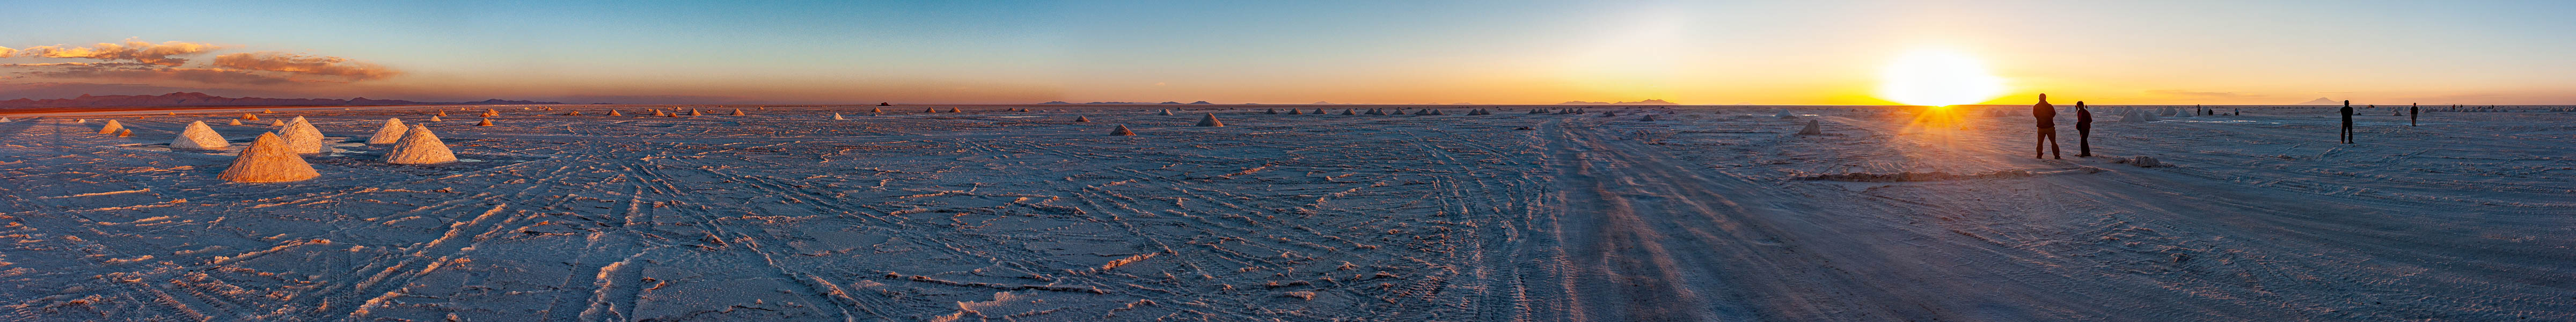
x,y
201,99
1201,103
2321,101
1646,102
1580,103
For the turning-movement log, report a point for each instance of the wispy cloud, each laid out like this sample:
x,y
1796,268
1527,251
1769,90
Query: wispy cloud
x,y
163,54
305,65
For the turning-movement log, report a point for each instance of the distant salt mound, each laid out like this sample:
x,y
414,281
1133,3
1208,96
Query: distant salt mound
x,y
1121,131
1783,113
391,132
692,112
2140,161
250,117
1347,112
1081,119
738,112
1295,112
486,122
1812,129
302,137
419,146
268,159
1166,112
5,119
434,118
615,113
837,117
111,127
1210,120
953,110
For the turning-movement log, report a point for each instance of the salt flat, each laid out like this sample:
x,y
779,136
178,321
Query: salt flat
x,y
1707,213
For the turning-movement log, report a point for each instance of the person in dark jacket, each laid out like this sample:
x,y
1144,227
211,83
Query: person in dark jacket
x,y
2413,111
2083,131
2047,115
2346,135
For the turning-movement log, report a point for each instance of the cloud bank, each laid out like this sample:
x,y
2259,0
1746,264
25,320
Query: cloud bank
x,y
166,62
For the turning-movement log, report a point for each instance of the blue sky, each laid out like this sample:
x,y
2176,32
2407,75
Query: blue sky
x,y
1821,52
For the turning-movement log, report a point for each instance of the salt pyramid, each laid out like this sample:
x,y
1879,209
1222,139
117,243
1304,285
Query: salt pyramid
x,y
1294,112
4,119
1812,129
198,136
1347,112
277,123
615,113
658,113
235,122
434,118
928,110
486,122
1121,131
490,113
1648,118
1210,120
126,133
267,111
302,138
1273,111
80,121
392,131
694,112
952,110
837,116
572,113
1081,119
419,146
1166,112
876,110
738,112
250,117
268,160
1784,113
442,112
111,128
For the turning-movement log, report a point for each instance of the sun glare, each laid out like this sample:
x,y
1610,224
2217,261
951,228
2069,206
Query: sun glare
x,y
1938,77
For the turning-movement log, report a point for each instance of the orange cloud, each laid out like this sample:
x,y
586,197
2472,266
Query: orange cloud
x,y
133,50
305,65
201,75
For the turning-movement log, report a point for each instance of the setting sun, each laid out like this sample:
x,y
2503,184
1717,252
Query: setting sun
x,y
1938,77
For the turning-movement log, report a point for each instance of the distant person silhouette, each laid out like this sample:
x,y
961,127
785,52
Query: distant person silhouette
x,y
2413,112
2346,135
2083,130
2047,115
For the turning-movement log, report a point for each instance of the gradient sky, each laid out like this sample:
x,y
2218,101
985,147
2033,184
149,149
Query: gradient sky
x,y
1486,52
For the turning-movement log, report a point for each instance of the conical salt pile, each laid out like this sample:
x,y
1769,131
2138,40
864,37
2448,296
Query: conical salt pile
x,y
277,123
738,112
419,146
250,117
198,136
486,122
1347,112
658,113
268,160
490,113
952,110
1121,131
1811,129
928,110
615,113
1295,112
1319,111
111,128
1081,119
392,131
80,121
127,133
434,118
1210,120
1166,112
1273,111
442,112
837,116
572,113
302,138
876,110
1648,118
694,112
235,122
267,111
4,119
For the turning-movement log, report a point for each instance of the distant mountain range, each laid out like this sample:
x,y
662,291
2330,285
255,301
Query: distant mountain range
x,y
201,99
2321,101
1644,102
1130,103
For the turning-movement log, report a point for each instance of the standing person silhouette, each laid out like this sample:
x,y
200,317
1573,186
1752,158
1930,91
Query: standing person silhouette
x,y
2346,135
2083,131
2047,115
2412,112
